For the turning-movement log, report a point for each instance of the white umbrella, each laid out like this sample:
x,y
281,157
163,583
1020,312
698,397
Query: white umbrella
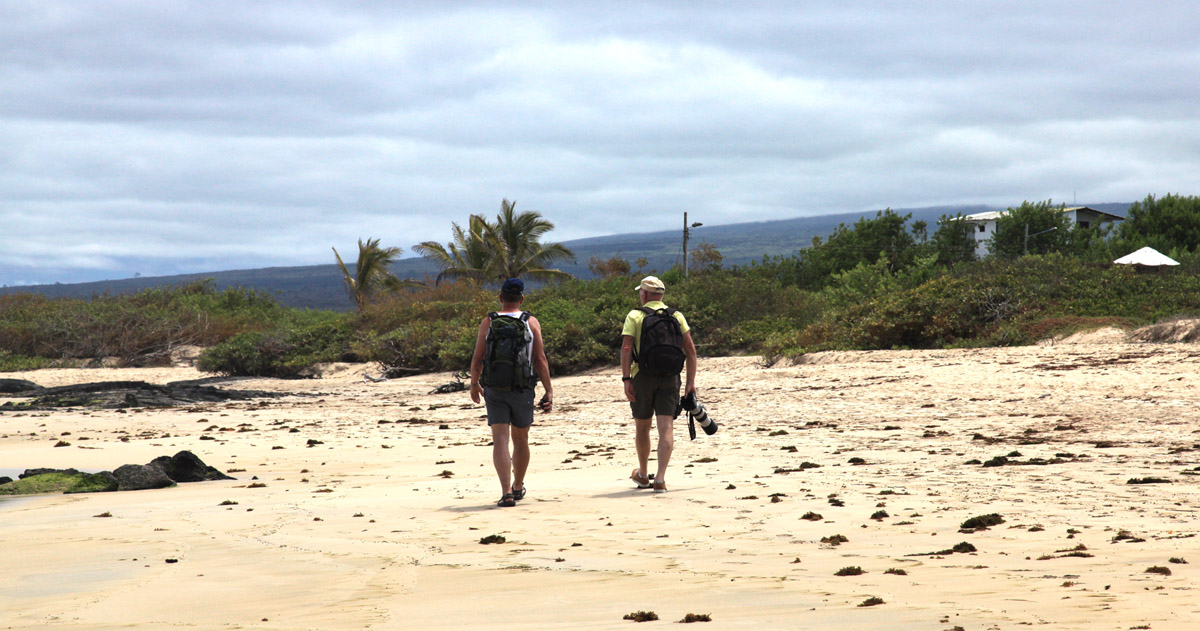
x,y
1146,256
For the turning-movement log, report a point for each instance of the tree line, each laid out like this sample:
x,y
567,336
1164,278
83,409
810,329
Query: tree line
x,y
881,282
486,251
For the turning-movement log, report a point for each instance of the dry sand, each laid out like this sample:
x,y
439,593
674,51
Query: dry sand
x,y
362,532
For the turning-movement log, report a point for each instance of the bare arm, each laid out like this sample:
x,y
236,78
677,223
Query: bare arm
x,y
627,364
689,349
477,359
540,365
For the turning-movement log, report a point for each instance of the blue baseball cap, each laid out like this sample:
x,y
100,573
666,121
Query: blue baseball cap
x,y
513,287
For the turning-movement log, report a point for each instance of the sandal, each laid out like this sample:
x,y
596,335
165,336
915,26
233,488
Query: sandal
x,y
642,481
507,501
519,495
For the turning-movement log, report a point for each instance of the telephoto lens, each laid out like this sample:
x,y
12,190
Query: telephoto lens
x,y
696,411
701,415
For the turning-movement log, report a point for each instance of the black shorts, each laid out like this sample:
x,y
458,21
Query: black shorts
x,y
507,407
655,396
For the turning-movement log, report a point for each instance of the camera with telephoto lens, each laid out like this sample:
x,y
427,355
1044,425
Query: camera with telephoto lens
x,y
696,412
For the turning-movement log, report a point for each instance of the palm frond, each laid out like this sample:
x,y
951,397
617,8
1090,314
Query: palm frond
x,y
487,251
372,272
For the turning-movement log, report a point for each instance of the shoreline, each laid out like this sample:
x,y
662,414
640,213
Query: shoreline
x,y
9,502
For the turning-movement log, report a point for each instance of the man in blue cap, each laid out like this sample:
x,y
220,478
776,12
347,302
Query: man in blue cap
x,y
508,351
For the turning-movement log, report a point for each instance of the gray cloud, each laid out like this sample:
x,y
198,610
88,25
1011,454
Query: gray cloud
x,y
163,137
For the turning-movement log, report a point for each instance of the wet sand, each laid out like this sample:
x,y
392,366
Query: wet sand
x,y
379,524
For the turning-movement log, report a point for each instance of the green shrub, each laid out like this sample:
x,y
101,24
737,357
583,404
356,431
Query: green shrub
x,y
735,311
425,346
581,321
137,329
19,363
994,302
289,351
429,330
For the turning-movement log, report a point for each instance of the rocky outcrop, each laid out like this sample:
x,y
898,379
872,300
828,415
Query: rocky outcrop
x,y
32,472
162,472
139,477
129,394
18,386
186,467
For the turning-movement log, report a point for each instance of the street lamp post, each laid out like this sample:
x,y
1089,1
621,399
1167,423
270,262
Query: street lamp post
x,y
687,231
1027,235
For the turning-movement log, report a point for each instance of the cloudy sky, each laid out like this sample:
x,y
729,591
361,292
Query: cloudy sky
x,y
160,137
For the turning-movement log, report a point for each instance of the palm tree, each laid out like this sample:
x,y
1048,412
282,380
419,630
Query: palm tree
x,y
372,272
489,252
468,257
516,241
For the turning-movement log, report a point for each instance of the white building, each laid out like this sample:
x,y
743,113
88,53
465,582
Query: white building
x,y
985,223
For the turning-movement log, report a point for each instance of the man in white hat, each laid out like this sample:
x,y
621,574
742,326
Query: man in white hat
x,y
656,344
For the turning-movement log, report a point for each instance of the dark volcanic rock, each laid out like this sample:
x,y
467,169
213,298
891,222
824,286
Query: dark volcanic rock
x,y
136,477
161,472
125,394
187,467
17,386
32,472
5,479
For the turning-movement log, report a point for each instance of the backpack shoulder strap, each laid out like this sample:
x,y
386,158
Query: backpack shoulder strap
x,y
645,310
493,315
525,315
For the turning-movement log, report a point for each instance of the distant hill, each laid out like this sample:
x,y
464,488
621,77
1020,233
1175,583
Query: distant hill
x,y
320,286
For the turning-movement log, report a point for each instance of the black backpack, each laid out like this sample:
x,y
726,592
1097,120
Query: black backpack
x,y
507,363
661,353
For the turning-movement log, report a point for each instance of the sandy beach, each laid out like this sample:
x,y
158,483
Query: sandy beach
x,y
377,523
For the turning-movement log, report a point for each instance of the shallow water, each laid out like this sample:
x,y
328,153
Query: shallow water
x,y
8,499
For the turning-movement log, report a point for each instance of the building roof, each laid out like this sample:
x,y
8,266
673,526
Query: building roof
x,y
996,214
988,216
1110,216
1146,256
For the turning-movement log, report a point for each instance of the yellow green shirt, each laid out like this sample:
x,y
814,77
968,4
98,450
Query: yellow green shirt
x,y
633,327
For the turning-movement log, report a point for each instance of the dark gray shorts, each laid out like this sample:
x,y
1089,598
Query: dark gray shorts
x,y
655,396
506,407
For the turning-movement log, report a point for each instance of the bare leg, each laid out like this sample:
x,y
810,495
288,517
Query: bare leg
x,y
501,457
641,440
666,444
520,457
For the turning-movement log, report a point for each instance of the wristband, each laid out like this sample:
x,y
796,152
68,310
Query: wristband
x,y
626,378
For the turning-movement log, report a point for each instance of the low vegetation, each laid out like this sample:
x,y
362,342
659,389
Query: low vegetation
x,y
134,330
880,283
59,482
982,522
